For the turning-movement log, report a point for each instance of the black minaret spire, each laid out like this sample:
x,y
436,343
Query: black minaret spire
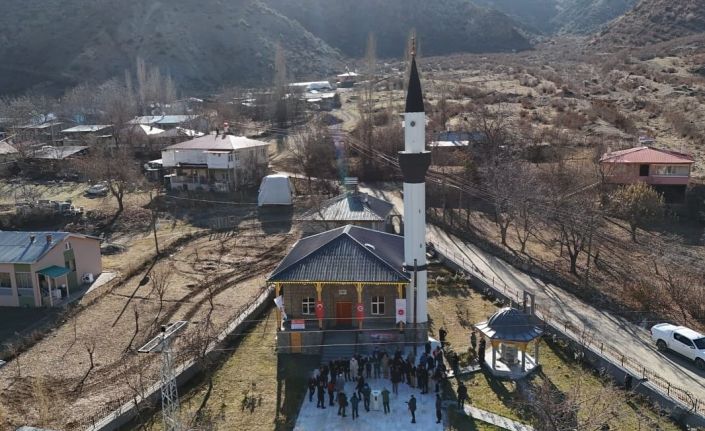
x,y
414,96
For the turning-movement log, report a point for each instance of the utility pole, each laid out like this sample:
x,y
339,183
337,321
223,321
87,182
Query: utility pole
x,y
154,222
170,395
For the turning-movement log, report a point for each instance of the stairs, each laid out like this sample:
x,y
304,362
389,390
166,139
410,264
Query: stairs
x,y
338,345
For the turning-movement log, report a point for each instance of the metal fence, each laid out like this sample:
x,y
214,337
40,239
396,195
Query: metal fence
x,y
583,338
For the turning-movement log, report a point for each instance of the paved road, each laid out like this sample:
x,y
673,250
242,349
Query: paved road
x,y
630,339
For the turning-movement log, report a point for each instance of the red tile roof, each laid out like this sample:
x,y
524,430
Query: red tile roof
x,y
647,155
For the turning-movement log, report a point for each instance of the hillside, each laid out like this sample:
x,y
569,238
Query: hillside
x,y
202,43
561,16
209,43
653,21
443,26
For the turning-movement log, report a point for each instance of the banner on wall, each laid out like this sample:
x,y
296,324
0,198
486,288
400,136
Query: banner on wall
x,y
279,302
401,310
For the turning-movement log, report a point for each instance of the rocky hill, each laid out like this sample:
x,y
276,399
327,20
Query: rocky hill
x,y
653,21
562,16
52,44
442,26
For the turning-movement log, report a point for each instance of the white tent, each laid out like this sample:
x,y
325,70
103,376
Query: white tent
x,y
275,190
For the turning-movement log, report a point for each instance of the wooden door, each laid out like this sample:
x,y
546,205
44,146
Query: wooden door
x,y
295,342
343,313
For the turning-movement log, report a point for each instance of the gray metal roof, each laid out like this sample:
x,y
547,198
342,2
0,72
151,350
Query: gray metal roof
x,y
218,143
57,153
509,324
346,254
163,119
351,207
86,128
18,247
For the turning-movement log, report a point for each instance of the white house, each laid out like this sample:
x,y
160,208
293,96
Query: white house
x,y
220,163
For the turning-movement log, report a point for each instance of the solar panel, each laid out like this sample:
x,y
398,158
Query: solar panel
x,y
155,344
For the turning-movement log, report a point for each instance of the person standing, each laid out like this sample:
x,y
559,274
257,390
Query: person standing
x,y
377,364
396,377
321,394
366,395
353,368
342,403
354,402
462,395
439,408
473,340
331,392
385,365
311,388
412,375
481,352
339,384
442,333
385,400
412,408
368,368
360,386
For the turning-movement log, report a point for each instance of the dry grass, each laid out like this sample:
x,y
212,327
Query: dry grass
x,y
234,265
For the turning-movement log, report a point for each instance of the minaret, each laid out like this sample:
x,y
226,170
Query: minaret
x,y
414,162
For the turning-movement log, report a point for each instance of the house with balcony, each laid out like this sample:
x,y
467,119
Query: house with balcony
x,y
43,269
666,170
217,163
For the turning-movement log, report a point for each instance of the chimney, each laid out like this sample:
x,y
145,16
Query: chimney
x,y
49,238
351,184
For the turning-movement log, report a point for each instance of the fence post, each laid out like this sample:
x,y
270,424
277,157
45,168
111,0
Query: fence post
x,y
643,372
601,347
668,389
622,359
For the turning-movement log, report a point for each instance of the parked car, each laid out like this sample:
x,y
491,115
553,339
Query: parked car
x,y
682,340
97,190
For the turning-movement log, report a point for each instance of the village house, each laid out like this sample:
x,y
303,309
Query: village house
x,y
42,269
350,208
51,161
89,135
347,79
219,163
8,156
666,170
48,132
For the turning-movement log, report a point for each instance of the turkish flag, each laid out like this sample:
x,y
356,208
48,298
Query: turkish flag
x,y
360,311
320,312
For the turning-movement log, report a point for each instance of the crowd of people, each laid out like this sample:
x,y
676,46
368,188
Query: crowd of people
x,y
425,373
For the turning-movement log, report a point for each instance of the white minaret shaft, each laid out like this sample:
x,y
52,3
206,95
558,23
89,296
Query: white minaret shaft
x,y
414,162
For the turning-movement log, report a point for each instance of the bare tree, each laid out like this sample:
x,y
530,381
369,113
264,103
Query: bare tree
x,y
160,278
118,169
313,151
281,88
577,224
581,408
90,349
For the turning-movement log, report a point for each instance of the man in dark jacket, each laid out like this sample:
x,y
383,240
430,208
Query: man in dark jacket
x,y
367,394
462,395
439,408
354,402
442,333
342,403
412,408
481,352
385,400
321,394
311,388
